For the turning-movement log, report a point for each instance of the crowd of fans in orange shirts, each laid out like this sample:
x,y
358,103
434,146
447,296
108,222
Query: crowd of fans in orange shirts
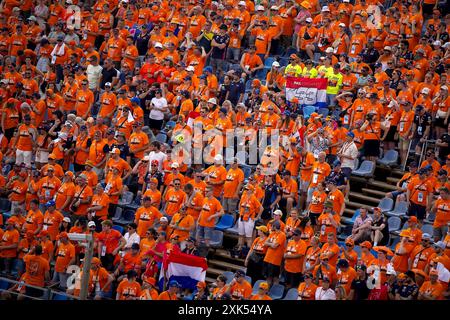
x,y
95,96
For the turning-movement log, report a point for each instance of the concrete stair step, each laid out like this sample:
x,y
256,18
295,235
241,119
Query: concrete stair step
x,y
378,193
363,197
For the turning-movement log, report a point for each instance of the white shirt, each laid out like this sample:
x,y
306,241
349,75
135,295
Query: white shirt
x,y
134,238
349,149
158,103
158,156
328,294
93,75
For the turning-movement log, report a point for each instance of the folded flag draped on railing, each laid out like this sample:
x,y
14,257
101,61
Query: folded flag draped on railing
x,y
307,91
185,268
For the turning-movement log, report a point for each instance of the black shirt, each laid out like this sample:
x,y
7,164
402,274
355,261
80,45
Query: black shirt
x,y
422,122
339,177
108,75
142,43
235,89
361,292
218,53
270,194
384,231
444,151
124,150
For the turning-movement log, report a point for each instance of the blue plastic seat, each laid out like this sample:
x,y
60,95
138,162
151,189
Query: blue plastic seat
x,y
386,204
126,198
366,169
4,285
229,275
268,63
225,222
60,297
276,292
216,239
390,158
394,223
128,216
427,228
119,228
248,279
400,209
291,295
161,137
307,110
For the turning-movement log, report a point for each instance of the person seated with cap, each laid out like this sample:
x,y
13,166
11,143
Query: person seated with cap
x,y
263,289
202,292
129,288
239,288
324,292
191,247
432,289
100,282
149,291
172,292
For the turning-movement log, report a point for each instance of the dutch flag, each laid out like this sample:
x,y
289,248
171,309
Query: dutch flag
x,y
186,269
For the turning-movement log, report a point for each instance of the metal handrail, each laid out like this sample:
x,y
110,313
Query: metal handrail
x,y
47,292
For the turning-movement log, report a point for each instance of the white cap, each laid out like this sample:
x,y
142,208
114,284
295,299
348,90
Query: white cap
x,y
33,18
273,8
275,64
309,19
260,8
146,158
218,158
345,1
425,90
242,3
163,219
387,48
437,43
108,84
212,100
69,1
220,7
342,24
329,50
278,212
446,45
125,1
444,88
91,224
175,165
158,45
66,219
325,9
190,68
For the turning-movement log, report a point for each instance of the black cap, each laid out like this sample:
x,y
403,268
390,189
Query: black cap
x,y
239,273
342,263
135,246
297,232
442,172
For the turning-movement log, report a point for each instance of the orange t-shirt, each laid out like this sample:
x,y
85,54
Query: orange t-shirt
x,y
36,268
64,254
210,207
275,256
295,265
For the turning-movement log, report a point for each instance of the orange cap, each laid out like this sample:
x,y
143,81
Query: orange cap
x,y
63,235
366,244
201,284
